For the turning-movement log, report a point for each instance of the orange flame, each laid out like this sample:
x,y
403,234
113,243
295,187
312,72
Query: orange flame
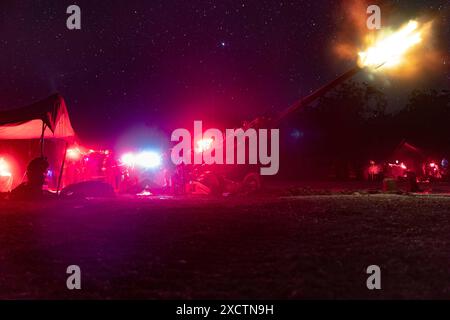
x,y
391,49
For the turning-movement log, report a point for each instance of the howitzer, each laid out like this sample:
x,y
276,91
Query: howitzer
x,y
303,102
247,176
315,95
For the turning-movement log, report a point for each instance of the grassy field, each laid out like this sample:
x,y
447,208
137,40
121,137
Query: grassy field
x,y
281,247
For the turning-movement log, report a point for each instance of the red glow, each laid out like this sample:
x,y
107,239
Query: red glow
x,y
74,153
397,163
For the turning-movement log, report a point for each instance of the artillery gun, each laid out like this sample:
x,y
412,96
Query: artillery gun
x,y
218,179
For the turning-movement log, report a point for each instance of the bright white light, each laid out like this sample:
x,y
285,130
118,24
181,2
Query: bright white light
x,y
149,159
4,168
128,159
74,153
203,145
390,50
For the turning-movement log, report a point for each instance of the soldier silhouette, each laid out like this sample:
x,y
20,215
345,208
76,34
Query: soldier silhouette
x,y
36,175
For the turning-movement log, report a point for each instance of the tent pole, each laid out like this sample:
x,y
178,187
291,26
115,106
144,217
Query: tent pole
x,y
42,139
62,169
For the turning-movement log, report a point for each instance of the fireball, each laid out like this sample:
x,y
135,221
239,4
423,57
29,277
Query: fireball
x,y
391,49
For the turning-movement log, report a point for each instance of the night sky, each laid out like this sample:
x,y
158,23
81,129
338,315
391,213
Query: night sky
x,y
150,66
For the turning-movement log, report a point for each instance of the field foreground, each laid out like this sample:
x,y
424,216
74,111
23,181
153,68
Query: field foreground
x,y
275,247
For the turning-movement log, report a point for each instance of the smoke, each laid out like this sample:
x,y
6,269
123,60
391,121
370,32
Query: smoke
x,y
351,22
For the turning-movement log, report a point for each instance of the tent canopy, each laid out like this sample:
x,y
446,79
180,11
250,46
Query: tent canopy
x,y
27,122
408,150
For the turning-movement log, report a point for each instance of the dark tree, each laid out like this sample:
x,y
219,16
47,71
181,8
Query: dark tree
x,y
426,119
338,128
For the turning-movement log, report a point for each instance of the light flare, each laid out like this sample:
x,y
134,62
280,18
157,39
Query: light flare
x,y
203,145
390,50
149,159
145,159
74,153
5,170
128,159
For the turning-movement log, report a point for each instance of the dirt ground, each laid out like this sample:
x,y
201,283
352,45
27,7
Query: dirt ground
x,y
285,245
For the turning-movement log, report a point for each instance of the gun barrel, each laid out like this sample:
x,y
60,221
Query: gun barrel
x,y
317,94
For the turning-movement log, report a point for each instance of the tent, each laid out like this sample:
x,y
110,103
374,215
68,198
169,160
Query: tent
x,y
410,155
48,118
407,150
42,128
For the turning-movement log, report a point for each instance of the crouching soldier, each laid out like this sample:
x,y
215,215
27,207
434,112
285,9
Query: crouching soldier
x,y
32,189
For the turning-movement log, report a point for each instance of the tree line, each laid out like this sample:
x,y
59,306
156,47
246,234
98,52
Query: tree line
x,y
351,125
